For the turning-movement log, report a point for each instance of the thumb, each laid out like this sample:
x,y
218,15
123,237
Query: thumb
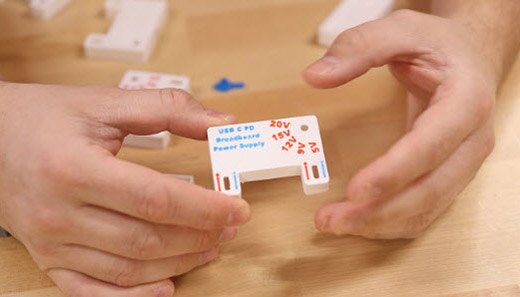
x,y
372,44
143,112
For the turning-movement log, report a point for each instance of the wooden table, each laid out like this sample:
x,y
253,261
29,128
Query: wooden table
x,y
472,250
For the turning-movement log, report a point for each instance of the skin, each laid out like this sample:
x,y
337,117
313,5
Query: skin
x,y
100,226
451,62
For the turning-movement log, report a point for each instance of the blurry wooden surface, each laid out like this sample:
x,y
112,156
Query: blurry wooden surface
x,y
472,250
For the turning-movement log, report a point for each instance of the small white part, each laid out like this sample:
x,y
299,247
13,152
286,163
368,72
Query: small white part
x,y
46,9
112,7
160,140
349,14
136,80
267,150
187,178
133,34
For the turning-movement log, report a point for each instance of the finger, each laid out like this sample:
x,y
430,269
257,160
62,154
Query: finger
x,y
435,135
125,272
136,239
415,107
74,284
372,44
155,197
151,111
418,206
419,93
411,211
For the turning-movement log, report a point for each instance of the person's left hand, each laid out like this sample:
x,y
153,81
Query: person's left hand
x,y
451,93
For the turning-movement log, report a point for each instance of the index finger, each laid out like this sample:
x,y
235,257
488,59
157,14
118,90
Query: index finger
x,y
152,196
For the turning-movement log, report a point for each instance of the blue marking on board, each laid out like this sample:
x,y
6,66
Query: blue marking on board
x,y
224,85
235,179
323,169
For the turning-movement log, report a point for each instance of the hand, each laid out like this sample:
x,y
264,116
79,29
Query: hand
x,y
98,225
451,94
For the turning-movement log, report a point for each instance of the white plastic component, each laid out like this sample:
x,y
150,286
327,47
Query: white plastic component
x,y
268,150
349,14
46,9
135,80
187,178
112,7
133,33
160,140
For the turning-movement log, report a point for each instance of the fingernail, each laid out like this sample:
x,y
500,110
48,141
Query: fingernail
x,y
239,216
228,234
208,256
163,290
323,223
324,65
222,117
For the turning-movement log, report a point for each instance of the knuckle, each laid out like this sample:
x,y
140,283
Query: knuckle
x,y
185,264
206,240
49,222
146,244
417,225
127,274
46,251
382,184
354,39
177,99
404,15
57,171
155,203
438,149
171,97
207,217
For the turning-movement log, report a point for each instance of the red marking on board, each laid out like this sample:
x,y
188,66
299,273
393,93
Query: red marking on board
x,y
218,182
279,124
289,144
313,147
306,170
301,147
281,135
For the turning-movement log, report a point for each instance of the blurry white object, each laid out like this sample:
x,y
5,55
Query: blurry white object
x,y
160,140
136,80
349,14
46,9
133,34
112,7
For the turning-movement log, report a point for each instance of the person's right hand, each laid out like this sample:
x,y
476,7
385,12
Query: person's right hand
x,y
100,226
